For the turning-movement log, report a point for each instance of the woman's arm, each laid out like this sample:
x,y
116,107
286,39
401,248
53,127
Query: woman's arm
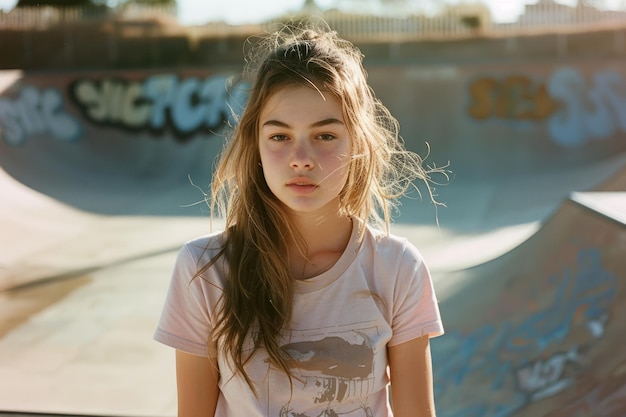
x,y
410,371
196,380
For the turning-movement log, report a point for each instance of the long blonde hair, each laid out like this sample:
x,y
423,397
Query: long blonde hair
x,y
257,296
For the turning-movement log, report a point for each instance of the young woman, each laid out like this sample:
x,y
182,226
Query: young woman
x,y
305,305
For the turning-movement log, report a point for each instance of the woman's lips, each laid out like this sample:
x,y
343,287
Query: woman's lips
x,y
301,185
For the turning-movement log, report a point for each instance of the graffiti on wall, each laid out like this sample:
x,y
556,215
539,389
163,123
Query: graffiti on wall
x,y
156,104
186,106
545,377
36,111
608,398
514,98
577,306
576,109
594,109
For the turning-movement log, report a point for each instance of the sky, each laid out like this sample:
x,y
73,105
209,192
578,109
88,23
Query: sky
x,y
236,11
198,12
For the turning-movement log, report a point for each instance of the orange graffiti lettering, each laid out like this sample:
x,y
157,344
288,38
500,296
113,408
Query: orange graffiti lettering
x,y
514,98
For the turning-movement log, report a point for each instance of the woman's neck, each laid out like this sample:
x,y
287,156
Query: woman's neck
x,y
326,238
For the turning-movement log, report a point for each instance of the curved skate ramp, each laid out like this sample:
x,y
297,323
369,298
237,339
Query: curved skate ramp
x,y
539,331
114,152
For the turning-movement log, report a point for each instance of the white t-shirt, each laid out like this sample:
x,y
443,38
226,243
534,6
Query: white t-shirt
x,y
378,294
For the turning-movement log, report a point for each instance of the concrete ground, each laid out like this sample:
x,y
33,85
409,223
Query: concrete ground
x,y
81,293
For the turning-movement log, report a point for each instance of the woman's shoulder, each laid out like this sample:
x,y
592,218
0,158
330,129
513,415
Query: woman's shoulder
x,y
205,245
195,256
392,251
390,245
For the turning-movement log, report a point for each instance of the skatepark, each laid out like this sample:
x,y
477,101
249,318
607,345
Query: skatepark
x,y
100,190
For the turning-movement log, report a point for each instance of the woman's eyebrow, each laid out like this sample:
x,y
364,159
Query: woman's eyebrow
x,y
321,123
329,121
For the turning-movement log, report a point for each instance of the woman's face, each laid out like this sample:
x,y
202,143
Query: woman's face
x,y
305,148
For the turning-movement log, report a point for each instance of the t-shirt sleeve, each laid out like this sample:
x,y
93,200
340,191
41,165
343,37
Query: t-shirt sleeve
x,y
415,308
185,321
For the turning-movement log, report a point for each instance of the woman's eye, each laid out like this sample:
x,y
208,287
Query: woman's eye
x,y
326,136
278,138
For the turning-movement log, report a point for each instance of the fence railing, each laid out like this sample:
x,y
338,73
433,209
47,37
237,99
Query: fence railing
x,y
452,22
46,16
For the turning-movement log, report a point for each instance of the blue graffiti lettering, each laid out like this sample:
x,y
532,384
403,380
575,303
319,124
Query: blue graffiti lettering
x,y
588,112
186,115
160,90
34,112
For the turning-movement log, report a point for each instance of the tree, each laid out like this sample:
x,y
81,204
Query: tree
x,y
54,3
87,3
152,2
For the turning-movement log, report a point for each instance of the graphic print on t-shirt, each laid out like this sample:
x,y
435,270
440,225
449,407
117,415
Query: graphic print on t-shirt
x,y
335,369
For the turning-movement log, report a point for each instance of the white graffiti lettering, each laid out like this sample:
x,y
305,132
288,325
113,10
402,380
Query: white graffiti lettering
x,y
36,111
114,101
545,378
597,326
588,112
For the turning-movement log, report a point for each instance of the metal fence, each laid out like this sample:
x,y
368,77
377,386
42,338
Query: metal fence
x,y
45,16
452,22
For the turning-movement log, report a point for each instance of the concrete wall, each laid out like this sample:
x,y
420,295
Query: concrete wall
x,y
509,118
494,108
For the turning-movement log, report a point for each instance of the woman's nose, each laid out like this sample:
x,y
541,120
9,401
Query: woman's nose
x,y
302,156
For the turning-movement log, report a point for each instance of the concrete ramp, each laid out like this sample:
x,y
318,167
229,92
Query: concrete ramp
x,y
44,239
617,182
539,331
94,175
